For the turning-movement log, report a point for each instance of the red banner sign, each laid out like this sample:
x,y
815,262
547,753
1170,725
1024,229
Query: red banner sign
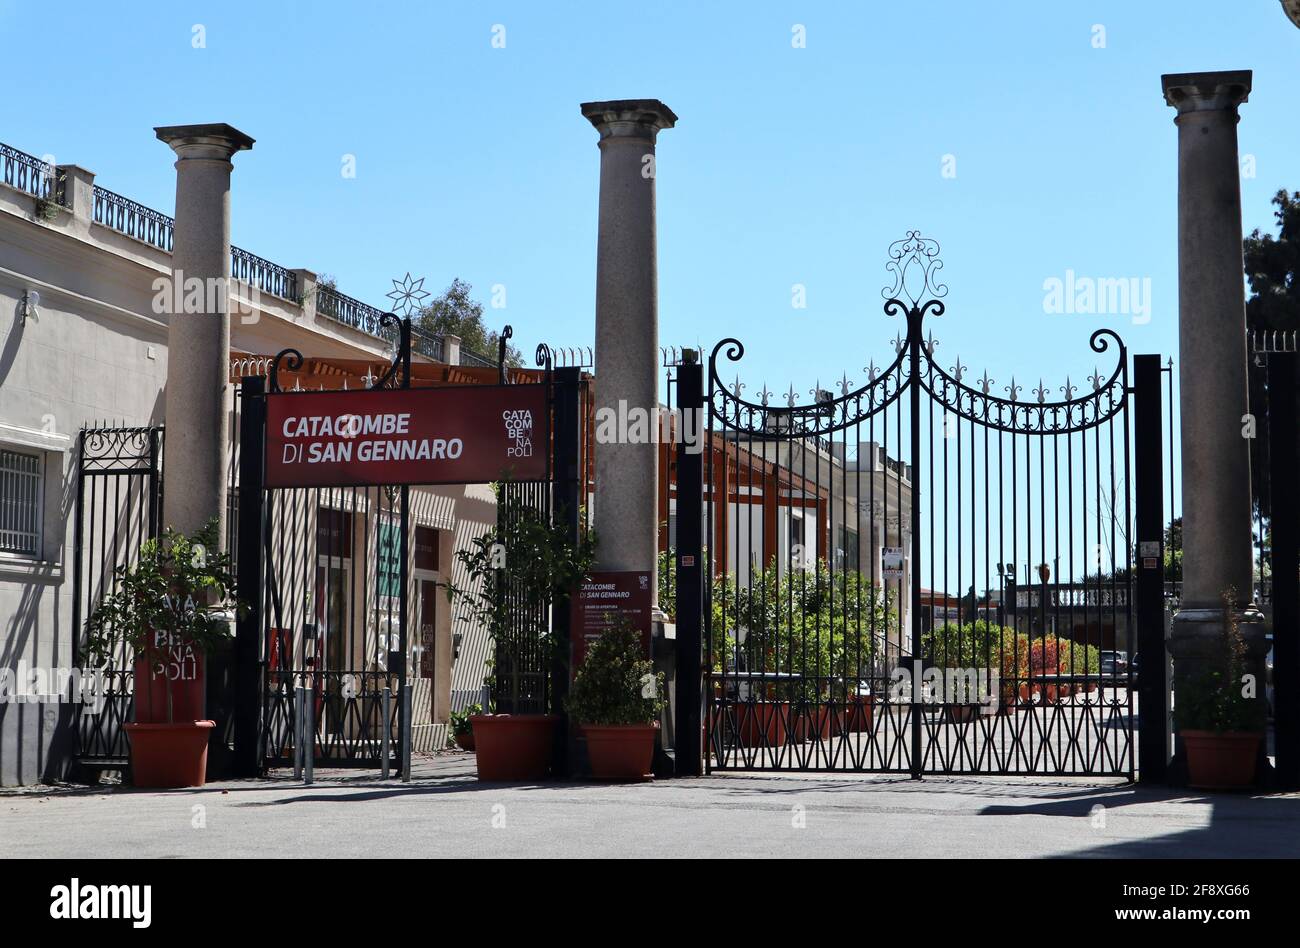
x,y
456,435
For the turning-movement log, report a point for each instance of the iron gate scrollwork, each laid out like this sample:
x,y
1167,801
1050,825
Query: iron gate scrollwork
x,y
920,573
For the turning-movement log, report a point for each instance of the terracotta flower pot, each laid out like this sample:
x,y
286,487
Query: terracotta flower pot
x,y
513,746
464,741
169,755
821,721
857,716
621,751
760,723
965,712
177,668
1221,761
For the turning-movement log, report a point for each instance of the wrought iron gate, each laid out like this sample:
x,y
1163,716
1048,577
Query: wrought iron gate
x,y
119,503
923,573
323,651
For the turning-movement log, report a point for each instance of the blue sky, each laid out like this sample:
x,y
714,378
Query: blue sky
x,y
787,166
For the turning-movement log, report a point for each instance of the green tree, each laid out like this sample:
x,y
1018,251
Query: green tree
x,y
1273,269
456,313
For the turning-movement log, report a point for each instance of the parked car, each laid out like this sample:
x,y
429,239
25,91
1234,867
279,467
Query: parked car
x,y
1114,664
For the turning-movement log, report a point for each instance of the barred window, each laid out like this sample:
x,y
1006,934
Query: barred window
x,y
20,503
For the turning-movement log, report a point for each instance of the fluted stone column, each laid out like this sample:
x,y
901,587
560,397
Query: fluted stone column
x,y
1217,550
198,343
627,326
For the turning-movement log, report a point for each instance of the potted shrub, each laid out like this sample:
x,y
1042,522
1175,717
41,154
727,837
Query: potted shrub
x,y
617,699
512,574
1220,725
462,727
171,609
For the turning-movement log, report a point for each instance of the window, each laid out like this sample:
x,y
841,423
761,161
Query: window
x,y
20,502
848,548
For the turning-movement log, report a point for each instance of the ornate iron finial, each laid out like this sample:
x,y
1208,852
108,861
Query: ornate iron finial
x,y
737,386
898,343
914,262
764,395
930,344
844,383
1041,392
871,370
1095,379
790,397
985,382
1068,390
1013,389
958,370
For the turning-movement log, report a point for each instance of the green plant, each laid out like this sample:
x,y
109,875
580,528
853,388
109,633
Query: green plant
x,y
512,574
460,723
611,686
45,209
817,625
180,590
667,581
1214,698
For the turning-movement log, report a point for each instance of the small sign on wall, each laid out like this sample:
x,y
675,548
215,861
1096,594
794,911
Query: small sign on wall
x,y
605,599
891,562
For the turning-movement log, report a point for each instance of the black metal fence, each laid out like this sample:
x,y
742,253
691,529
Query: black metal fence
x,y
521,662
29,173
1274,377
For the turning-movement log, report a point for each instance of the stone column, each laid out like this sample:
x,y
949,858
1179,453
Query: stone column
x,y
627,328
1217,550
198,343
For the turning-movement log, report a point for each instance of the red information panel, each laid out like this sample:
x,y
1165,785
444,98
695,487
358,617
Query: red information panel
x,y
457,435
602,601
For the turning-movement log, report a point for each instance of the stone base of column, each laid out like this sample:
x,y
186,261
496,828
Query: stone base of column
x,y
1196,639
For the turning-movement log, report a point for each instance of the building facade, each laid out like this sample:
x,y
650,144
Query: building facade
x,y
84,345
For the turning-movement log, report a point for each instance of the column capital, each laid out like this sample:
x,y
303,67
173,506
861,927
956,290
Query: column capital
x,y
1206,91
216,141
638,119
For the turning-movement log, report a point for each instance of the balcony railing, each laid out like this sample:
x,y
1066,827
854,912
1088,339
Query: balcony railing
x,y
28,173
362,316
470,357
262,273
135,220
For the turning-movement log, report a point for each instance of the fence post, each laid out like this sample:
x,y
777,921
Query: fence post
x,y
1153,689
1284,521
250,568
688,746
568,473
386,715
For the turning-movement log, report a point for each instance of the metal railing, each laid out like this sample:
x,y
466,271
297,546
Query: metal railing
x,y
470,357
431,346
1263,341
135,220
263,274
366,318
349,311
156,229
32,175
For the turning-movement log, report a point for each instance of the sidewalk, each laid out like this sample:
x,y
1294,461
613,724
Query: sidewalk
x,y
445,812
